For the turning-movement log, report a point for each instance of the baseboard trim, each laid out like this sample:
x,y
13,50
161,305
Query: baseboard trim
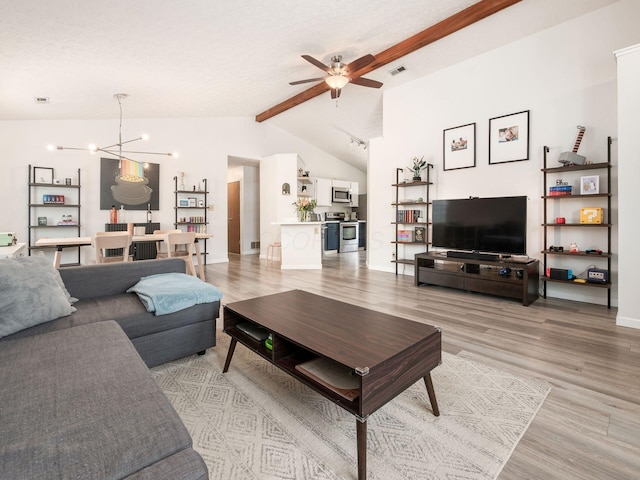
x,y
627,322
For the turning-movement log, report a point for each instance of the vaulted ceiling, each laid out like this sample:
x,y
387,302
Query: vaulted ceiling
x,y
202,58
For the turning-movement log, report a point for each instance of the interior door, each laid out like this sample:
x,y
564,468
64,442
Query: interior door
x,y
233,214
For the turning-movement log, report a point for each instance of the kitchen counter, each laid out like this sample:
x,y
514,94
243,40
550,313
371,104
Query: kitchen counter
x,y
301,245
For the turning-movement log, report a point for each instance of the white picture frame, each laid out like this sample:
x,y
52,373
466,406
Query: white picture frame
x,y
590,185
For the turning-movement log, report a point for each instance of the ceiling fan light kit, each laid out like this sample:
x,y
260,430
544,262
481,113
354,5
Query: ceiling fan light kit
x,y
110,150
337,81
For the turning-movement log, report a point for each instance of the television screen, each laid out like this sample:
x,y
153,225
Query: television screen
x,y
496,225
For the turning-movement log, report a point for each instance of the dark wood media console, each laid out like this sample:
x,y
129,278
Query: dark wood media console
x,y
481,276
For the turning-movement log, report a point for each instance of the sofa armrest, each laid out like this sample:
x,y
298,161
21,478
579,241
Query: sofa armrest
x,y
102,280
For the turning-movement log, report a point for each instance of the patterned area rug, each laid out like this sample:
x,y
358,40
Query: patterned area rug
x,y
256,422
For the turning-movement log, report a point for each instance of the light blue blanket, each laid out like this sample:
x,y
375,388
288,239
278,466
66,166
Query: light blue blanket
x,y
169,292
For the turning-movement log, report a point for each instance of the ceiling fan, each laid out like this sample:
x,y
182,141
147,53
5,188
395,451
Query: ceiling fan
x,y
340,74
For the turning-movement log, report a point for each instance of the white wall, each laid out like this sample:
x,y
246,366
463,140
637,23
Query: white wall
x,y
565,76
628,123
203,143
275,207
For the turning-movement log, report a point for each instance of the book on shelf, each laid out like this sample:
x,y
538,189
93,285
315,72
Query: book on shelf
x,y
407,216
406,235
559,190
336,377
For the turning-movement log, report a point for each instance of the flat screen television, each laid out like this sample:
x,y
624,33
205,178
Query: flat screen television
x,y
496,225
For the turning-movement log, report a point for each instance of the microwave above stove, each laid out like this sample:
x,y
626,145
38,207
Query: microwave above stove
x,y
341,195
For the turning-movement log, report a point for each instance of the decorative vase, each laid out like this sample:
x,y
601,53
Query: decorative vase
x,y
302,215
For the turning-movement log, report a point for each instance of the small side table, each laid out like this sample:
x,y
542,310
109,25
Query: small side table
x,y
14,251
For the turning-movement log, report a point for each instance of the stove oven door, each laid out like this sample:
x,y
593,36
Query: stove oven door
x,y
348,237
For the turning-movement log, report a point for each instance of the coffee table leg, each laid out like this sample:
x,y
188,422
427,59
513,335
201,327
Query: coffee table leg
x,y
361,436
432,394
232,348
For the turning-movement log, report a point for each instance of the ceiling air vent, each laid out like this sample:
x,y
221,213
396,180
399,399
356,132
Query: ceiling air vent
x,y
41,99
398,70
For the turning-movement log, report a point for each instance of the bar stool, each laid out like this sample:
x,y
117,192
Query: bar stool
x,y
271,250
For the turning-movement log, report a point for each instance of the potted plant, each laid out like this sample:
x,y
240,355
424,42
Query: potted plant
x,y
419,164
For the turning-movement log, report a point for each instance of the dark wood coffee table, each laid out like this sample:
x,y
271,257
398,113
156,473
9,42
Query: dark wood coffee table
x,y
387,353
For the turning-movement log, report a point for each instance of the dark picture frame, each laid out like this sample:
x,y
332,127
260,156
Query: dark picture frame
x,y
43,175
115,190
459,147
509,138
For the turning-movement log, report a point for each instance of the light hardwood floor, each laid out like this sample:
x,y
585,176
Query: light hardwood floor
x,y
589,425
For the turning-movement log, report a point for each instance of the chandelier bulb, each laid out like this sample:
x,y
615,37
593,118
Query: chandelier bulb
x,y
92,149
144,136
174,154
51,148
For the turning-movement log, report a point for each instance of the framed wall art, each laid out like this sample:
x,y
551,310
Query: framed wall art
x,y
590,185
509,138
43,175
459,147
130,183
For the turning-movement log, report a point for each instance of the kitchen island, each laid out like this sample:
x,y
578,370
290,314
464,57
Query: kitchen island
x,y
301,245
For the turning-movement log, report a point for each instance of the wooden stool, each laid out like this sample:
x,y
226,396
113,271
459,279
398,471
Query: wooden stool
x,y
270,251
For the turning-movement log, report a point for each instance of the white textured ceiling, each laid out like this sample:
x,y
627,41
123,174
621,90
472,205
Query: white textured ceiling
x,y
193,58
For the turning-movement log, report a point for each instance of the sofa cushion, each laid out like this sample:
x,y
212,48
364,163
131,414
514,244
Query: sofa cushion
x,y
31,294
80,403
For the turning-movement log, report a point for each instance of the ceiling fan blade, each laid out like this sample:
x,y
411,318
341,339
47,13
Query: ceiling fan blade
x,y
307,81
335,92
360,63
366,82
317,63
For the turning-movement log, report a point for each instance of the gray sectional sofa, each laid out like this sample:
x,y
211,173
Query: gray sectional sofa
x,y
78,401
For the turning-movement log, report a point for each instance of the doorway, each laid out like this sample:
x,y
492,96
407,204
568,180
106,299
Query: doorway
x,y
233,215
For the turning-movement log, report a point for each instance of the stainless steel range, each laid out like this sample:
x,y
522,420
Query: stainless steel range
x,y
349,231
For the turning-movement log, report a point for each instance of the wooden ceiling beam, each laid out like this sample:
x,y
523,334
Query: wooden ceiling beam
x,y
458,21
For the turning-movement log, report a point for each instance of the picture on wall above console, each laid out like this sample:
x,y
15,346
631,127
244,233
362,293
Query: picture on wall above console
x,y
459,147
132,184
509,138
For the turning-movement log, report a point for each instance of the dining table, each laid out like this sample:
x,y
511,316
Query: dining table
x,y
61,243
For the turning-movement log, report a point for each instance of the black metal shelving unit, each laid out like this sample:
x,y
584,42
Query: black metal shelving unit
x,y
196,219
580,255
36,204
401,205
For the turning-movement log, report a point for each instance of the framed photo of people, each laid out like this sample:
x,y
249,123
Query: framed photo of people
x,y
459,147
509,138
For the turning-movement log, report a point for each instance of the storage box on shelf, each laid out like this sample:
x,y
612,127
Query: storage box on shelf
x,y
587,208
191,208
54,211
412,218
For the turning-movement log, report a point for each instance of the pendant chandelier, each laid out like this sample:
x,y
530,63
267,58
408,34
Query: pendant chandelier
x,y
116,150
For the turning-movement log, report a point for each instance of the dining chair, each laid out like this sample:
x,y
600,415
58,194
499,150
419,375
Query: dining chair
x,y
161,247
117,242
180,244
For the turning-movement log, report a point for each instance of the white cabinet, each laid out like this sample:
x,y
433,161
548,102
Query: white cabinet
x,y
355,189
341,183
323,192
14,251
